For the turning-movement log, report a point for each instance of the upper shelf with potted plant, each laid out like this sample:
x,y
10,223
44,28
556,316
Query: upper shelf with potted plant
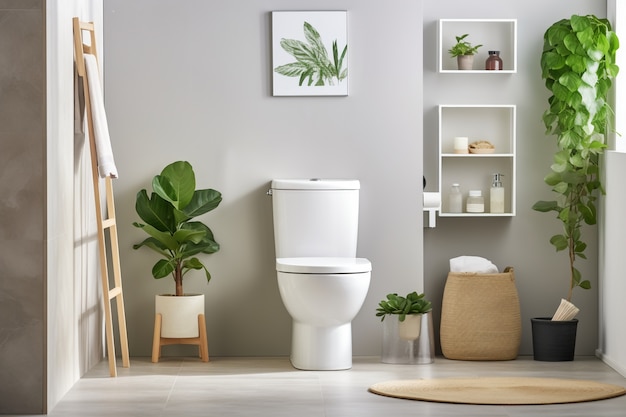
x,y
458,37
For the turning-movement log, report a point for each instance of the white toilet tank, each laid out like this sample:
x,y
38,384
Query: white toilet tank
x,y
315,217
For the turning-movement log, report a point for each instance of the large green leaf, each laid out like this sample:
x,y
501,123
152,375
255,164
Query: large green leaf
x,y
176,184
206,245
155,211
202,202
194,263
571,81
588,213
189,236
165,238
560,242
163,268
153,244
545,206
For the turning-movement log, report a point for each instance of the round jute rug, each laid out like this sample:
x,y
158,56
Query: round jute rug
x,y
499,390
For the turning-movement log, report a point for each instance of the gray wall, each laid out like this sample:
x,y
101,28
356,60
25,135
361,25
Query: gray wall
x,y
192,80
22,206
50,323
522,241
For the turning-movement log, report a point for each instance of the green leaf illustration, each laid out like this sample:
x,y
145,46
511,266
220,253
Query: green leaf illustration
x,y
313,65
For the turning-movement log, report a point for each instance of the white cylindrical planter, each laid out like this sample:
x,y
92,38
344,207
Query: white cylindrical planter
x,y
409,329
179,314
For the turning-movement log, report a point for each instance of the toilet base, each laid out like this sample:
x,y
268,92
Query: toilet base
x,y
321,348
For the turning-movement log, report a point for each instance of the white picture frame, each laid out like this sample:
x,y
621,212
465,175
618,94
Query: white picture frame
x,y
310,53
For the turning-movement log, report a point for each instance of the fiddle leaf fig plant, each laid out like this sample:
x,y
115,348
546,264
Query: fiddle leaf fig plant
x,y
463,47
167,215
577,64
413,303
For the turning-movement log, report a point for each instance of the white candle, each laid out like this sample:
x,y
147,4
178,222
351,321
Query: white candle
x,y
461,144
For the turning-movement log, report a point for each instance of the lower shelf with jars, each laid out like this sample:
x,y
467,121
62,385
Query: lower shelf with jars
x,y
475,172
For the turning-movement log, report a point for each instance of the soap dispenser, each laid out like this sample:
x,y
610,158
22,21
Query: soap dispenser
x,y
496,196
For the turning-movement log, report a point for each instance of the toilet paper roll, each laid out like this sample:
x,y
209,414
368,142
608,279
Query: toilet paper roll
x,y
432,200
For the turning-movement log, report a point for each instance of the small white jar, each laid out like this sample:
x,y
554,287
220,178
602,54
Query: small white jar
x,y
475,202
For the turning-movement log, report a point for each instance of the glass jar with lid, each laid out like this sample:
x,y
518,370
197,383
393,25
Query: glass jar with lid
x,y
475,202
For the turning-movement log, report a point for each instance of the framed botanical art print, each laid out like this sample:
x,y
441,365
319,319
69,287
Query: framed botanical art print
x,y
310,53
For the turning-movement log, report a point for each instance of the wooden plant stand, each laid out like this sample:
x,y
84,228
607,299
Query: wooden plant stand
x,y
201,340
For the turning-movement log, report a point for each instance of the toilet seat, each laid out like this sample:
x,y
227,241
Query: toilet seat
x,y
323,265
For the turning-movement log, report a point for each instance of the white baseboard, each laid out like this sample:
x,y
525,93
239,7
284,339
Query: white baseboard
x,y
617,367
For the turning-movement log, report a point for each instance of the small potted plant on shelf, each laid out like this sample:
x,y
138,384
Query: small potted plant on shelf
x,y
464,52
167,216
578,64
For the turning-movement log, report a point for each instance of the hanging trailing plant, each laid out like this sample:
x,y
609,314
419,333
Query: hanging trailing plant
x,y
577,64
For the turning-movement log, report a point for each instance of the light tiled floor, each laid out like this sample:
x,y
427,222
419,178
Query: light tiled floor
x,y
270,387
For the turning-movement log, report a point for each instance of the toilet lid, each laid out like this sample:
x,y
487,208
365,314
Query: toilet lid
x,y
323,265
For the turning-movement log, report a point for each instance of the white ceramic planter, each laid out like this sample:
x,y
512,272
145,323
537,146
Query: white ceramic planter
x,y
179,314
409,329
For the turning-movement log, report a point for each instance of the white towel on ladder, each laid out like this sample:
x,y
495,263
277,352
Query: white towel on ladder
x,y
106,163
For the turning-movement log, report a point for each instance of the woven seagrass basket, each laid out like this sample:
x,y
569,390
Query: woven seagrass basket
x,y
480,316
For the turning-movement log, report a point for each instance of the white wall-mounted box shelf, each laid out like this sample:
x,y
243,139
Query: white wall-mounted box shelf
x,y
493,123
493,34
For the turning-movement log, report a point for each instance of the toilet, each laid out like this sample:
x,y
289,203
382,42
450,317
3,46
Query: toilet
x,y
321,281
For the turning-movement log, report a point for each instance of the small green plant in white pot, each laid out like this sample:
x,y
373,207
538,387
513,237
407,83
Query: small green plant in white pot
x,y
408,310
168,218
464,52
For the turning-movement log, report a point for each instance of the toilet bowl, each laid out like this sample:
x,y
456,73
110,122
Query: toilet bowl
x,y
322,295
321,281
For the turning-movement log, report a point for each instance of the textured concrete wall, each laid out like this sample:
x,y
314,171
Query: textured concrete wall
x,y
22,206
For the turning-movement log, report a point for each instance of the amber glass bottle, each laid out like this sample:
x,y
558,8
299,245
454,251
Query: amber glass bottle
x,y
494,62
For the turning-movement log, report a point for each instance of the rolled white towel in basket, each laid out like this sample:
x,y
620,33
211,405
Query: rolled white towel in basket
x,y
106,163
472,264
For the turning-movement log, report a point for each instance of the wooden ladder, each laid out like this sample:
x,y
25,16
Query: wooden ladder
x,y
106,221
